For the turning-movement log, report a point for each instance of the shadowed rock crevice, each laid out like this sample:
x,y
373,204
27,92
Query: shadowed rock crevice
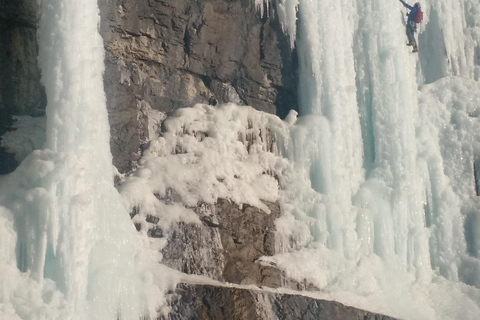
x,y
21,92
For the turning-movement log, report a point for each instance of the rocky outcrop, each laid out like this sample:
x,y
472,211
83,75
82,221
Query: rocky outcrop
x,y
160,55
204,302
20,90
227,244
167,54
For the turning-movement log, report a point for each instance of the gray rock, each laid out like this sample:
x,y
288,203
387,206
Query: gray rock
x,y
164,53
247,234
226,245
202,302
21,92
20,87
175,53
195,249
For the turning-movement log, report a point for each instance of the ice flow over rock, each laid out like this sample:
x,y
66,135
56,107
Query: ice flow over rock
x,y
387,140
73,240
378,183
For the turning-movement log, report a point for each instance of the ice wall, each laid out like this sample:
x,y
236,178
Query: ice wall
x,y
73,240
379,210
390,159
450,40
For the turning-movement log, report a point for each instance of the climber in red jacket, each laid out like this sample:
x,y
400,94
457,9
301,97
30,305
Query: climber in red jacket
x,y
414,16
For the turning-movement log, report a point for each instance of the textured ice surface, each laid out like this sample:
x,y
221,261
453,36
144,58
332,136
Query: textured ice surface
x,y
377,178
388,142
68,246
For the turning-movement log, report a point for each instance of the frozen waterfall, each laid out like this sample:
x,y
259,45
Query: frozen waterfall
x,y
378,177
389,142
74,239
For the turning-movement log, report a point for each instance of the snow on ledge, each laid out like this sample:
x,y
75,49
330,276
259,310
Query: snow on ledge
x,y
206,153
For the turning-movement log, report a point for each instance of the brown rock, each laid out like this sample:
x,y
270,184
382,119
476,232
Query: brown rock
x,y
165,54
247,234
226,245
175,53
202,302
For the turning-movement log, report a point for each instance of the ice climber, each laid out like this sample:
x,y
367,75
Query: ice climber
x,y
414,16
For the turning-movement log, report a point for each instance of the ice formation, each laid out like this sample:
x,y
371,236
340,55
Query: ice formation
x,y
68,246
393,165
377,178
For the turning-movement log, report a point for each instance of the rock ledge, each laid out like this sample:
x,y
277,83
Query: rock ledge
x,y
203,302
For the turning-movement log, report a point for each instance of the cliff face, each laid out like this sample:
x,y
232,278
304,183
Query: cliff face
x,y
20,90
160,55
211,302
226,245
163,55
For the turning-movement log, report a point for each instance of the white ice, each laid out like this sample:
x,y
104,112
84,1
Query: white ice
x,y
207,153
377,178
389,141
68,245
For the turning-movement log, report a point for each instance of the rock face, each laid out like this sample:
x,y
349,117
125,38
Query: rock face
x,y
210,302
20,90
227,244
167,54
162,55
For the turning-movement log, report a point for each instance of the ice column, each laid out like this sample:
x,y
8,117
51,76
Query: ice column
x,y
77,232
358,99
